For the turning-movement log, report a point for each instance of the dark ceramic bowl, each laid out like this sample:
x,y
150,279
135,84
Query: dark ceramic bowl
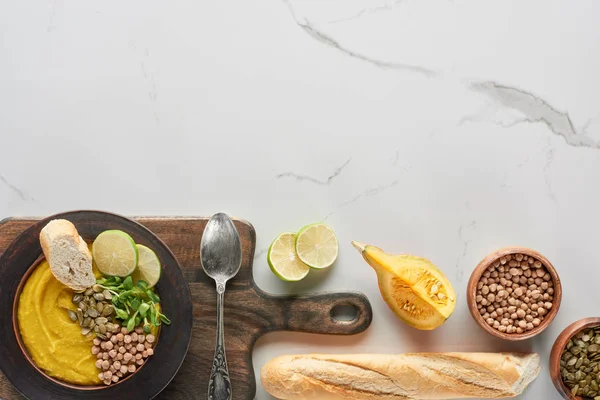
x,y
25,253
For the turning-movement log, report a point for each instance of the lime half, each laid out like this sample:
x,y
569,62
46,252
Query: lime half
x,y
317,246
283,260
148,268
114,253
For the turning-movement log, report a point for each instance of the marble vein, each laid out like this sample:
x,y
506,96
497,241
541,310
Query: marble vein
x,y
465,244
550,153
368,11
15,189
260,253
366,193
534,110
396,158
300,178
317,34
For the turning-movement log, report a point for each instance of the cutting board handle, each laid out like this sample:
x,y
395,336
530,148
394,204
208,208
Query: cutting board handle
x,y
316,313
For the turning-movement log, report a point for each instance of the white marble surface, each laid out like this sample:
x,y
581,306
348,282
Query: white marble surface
x,y
439,128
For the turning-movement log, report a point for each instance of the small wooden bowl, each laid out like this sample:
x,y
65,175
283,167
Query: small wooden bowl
x,y
486,263
559,344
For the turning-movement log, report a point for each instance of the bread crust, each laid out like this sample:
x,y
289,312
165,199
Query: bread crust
x,y
82,275
418,376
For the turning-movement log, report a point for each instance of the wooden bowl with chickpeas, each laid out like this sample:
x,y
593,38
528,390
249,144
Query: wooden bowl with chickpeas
x,y
514,293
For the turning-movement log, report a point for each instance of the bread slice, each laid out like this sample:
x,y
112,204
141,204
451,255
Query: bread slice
x,y
68,255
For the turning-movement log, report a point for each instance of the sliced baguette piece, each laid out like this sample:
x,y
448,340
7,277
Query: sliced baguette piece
x,y
412,376
68,255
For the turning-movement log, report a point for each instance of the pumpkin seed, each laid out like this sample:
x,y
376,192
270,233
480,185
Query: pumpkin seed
x,y
89,292
101,320
572,362
108,310
107,295
86,322
77,297
575,350
97,288
72,315
79,316
85,331
574,389
102,328
100,307
92,312
98,296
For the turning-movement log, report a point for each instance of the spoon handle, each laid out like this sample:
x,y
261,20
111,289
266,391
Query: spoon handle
x,y
219,386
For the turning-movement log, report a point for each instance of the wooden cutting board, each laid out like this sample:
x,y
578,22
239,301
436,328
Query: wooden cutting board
x,y
249,311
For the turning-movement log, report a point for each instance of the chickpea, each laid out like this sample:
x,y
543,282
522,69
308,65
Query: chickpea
x,y
133,350
109,345
124,331
115,378
131,368
96,341
120,337
112,369
123,369
101,376
105,356
140,347
139,330
107,374
113,339
107,382
150,350
528,318
127,357
495,325
491,298
479,285
148,344
145,352
99,365
140,362
95,350
490,321
99,355
536,322
520,313
519,330
122,349
119,356
117,365
547,305
141,338
127,339
113,353
138,356
494,315
529,326
105,365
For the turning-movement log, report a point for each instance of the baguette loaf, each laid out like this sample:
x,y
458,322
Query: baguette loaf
x,y
68,255
419,376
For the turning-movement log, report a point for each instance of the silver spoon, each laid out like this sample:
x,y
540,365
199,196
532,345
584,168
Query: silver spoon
x,y
221,258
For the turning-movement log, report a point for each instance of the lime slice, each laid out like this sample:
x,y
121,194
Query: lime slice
x,y
148,268
114,253
317,246
283,260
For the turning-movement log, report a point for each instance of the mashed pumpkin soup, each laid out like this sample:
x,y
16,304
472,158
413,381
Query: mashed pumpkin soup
x,y
53,341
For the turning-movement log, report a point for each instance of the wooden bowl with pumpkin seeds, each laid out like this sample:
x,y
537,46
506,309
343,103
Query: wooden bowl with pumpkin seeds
x,y
575,360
